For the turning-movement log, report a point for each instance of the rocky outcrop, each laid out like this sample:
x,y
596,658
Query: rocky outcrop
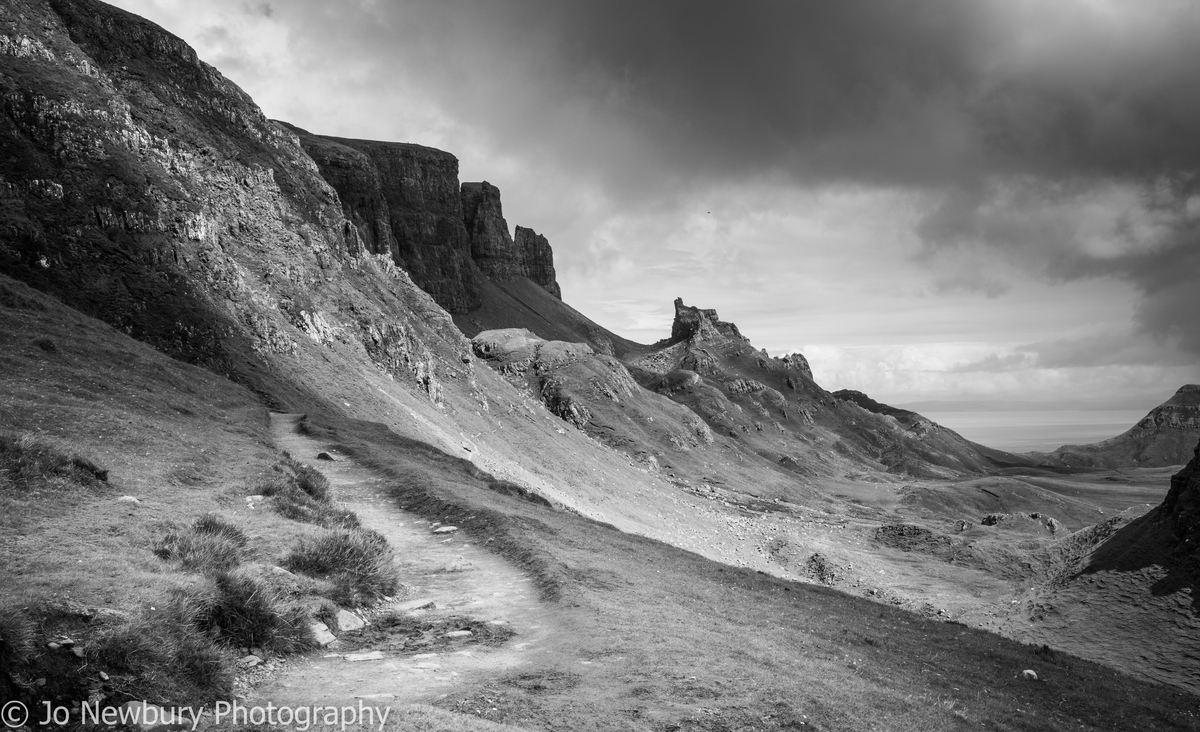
x,y
695,323
537,260
419,186
500,257
405,201
594,392
492,248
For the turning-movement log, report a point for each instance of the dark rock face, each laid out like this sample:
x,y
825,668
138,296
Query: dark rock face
x,y
1182,504
405,200
420,188
500,257
492,247
538,259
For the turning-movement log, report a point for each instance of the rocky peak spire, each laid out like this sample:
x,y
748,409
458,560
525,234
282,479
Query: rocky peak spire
x,y
692,322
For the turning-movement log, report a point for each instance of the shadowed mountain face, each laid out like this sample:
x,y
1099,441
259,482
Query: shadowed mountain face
x,y
405,200
1163,437
1129,592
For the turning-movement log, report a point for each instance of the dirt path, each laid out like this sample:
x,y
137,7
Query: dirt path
x,y
457,576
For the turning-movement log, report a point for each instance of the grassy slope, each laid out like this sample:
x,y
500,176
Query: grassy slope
x,y
179,438
661,638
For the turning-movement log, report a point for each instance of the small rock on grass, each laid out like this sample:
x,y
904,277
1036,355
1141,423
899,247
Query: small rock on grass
x,y
347,620
1029,675
132,500
321,633
445,529
459,634
326,456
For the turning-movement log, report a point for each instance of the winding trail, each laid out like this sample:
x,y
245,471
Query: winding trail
x,y
458,576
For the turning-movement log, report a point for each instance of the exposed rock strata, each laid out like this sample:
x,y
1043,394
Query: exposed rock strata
x,y
415,190
537,259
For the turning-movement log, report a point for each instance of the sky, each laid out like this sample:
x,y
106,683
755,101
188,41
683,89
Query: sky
x,y
930,199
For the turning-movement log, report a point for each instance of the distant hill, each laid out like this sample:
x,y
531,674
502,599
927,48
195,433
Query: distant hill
x,y
1165,436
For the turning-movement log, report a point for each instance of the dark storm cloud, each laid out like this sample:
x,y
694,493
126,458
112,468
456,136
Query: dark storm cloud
x,y
1027,117
890,91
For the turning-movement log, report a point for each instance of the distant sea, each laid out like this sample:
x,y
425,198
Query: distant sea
x,y
1043,431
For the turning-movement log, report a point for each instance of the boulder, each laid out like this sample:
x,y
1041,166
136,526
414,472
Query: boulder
x,y
347,621
321,633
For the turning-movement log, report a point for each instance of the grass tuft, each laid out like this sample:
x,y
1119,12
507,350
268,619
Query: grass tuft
x,y
357,563
305,497
17,638
198,552
211,544
28,463
215,525
166,654
249,612
313,482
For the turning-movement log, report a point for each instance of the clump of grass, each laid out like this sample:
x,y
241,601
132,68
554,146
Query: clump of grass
x,y
167,653
27,463
211,544
357,563
249,612
313,482
215,525
199,552
305,496
17,638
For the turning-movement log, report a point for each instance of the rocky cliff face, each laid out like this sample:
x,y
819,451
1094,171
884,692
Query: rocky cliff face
x,y
503,258
405,200
141,187
414,190
492,247
1182,505
537,259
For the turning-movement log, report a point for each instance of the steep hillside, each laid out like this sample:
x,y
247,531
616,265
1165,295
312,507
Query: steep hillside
x,y
141,188
144,189
1163,437
1127,593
